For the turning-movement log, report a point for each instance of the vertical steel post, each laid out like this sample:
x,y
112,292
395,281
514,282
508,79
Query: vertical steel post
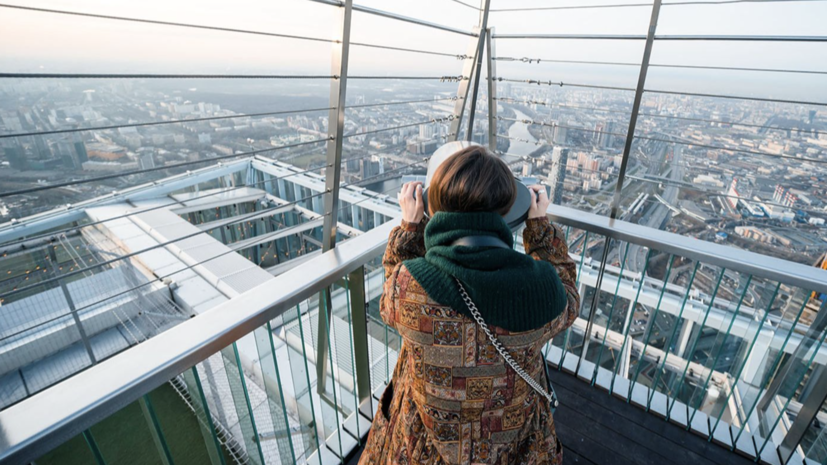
x,y
641,83
333,171
464,83
478,67
336,125
627,148
492,91
359,321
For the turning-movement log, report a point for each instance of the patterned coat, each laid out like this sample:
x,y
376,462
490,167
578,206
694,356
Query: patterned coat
x,y
453,400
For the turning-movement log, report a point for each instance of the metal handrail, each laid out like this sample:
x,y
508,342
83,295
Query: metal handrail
x,y
48,419
776,269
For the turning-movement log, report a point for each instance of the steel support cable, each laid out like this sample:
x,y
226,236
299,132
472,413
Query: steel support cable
x,y
716,147
425,78
570,36
368,105
157,76
397,17
165,23
210,118
157,168
656,65
636,5
734,68
653,115
168,205
411,50
555,125
562,84
216,28
734,123
547,60
187,236
422,123
718,38
541,142
466,4
558,105
718,194
734,97
159,123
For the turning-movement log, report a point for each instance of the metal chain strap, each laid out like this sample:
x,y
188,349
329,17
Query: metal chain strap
x,y
502,351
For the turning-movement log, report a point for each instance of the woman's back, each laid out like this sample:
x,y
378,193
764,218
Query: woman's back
x,y
453,399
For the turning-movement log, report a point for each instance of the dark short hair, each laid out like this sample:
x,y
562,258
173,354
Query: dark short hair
x,y
472,180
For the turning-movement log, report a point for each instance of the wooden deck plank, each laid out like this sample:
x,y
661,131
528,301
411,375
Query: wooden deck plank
x,y
660,432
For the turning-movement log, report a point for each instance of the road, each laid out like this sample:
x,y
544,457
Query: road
x,y
656,214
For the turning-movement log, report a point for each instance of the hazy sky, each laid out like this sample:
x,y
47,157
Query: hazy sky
x,y
33,41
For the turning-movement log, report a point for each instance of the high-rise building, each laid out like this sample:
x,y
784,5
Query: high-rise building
x,y
560,134
42,148
527,168
81,156
557,174
16,157
606,139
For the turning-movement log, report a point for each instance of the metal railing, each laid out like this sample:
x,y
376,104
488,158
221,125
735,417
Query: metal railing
x,y
669,367
723,342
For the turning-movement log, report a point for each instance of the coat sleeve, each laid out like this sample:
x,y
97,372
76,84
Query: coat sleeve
x,y
545,242
405,242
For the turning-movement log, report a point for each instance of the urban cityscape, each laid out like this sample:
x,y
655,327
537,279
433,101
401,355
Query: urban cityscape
x,y
252,202
745,173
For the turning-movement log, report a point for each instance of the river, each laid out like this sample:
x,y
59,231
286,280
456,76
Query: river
x,y
517,149
520,131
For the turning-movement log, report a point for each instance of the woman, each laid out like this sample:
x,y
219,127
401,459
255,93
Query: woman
x,y
453,399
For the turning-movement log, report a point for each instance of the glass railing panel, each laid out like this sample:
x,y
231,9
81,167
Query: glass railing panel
x,y
588,273
713,348
276,426
206,424
704,283
245,425
814,441
380,336
791,383
296,327
613,312
328,391
349,355
651,325
763,359
579,242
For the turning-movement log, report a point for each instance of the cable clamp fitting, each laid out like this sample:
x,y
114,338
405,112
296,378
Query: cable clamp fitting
x,y
451,78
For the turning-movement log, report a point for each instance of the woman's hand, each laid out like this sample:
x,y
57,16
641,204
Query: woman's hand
x,y
410,199
539,201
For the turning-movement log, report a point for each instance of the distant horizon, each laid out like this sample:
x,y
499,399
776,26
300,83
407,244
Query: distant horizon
x,y
46,42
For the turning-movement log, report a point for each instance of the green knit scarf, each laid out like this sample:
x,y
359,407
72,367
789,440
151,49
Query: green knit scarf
x,y
512,290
